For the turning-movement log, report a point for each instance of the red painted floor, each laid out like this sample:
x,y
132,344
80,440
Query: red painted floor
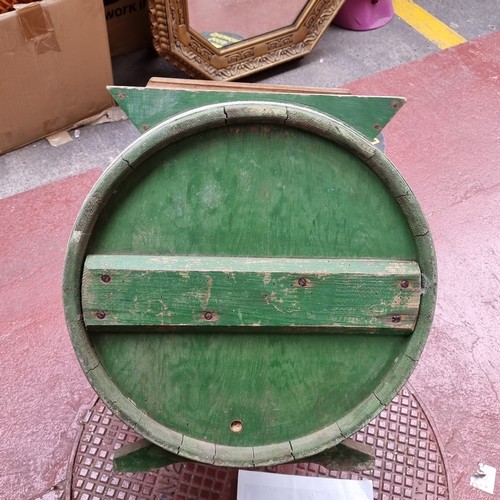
x,y
445,141
41,385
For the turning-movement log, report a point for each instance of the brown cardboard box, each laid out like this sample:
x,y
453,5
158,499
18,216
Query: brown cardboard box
x,y
54,68
128,25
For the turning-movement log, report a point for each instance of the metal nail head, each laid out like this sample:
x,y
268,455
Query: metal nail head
x,y
100,314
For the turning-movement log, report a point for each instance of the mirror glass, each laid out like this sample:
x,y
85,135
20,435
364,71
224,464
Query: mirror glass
x,y
224,22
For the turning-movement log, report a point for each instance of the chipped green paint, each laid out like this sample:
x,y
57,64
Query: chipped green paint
x,y
162,294
146,107
143,456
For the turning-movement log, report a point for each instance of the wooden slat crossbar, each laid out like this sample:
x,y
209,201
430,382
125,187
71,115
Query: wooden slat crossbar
x,y
174,293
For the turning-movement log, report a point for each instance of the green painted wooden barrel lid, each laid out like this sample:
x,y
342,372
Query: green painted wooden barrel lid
x,y
249,283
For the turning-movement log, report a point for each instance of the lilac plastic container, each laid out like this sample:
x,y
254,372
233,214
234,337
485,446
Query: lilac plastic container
x,y
363,15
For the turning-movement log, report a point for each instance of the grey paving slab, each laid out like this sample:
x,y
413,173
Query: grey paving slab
x,y
343,56
469,19
40,163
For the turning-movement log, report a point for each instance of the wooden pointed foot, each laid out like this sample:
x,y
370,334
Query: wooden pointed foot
x,y
143,456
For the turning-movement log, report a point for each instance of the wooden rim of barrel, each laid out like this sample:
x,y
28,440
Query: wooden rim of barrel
x,y
188,125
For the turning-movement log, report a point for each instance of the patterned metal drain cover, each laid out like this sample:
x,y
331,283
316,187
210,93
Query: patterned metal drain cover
x,y
409,463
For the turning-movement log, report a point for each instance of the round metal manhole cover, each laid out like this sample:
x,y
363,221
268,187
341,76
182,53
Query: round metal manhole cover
x,y
409,463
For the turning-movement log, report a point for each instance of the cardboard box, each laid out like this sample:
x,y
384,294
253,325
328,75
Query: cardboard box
x,y
54,68
128,25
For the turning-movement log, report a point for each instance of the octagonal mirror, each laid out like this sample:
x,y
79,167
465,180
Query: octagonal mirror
x,y
229,39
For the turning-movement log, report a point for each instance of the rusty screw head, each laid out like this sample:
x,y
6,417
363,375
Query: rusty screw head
x,y
105,278
100,314
208,315
302,282
405,284
396,318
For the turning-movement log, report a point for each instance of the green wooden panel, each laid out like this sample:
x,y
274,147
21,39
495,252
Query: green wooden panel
x,y
258,190
267,191
146,107
280,386
152,293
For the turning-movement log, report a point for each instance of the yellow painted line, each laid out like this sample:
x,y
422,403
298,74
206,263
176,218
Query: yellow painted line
x,y
426,24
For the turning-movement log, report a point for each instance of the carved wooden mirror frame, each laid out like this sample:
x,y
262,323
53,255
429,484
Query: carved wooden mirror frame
x,y
184,47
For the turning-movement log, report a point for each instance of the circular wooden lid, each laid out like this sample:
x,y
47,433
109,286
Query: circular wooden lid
x,y
249,283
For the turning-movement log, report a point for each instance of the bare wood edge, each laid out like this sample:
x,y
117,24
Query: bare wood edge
x,y
222,86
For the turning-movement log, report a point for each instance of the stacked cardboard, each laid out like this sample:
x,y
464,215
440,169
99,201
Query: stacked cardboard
x,y
128,25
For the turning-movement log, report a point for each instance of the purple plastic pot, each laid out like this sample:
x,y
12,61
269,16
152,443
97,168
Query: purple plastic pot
x,y
363,15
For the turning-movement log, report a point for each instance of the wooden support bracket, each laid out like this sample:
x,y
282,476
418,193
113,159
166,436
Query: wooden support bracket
x,y
143,456
174,293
